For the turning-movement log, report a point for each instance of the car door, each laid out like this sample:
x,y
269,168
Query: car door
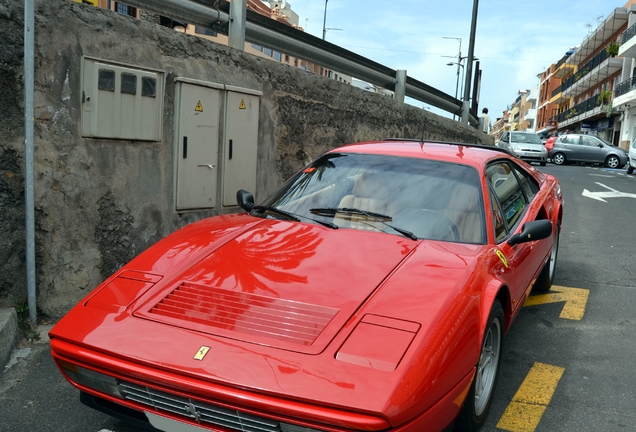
x,y
571,147
592,149
504,141
511,191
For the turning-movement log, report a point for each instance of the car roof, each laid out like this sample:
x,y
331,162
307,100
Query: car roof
x,y
461,153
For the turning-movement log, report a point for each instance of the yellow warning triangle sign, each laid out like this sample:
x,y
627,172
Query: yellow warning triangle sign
x,y
199,107
242,105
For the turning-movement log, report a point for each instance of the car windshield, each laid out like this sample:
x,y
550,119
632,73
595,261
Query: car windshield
x,y
430,199
526,138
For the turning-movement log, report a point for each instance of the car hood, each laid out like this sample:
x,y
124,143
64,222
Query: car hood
x,y
270,282
276,304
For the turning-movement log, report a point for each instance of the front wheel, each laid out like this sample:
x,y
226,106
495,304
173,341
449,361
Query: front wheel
x,y
630,168
612,161
479,398
558,158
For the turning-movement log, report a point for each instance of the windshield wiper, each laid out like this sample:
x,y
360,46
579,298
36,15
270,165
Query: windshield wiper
x,y
332,211
328,211
293,216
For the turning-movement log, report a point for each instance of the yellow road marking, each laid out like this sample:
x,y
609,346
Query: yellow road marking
x,y
529,403
575,301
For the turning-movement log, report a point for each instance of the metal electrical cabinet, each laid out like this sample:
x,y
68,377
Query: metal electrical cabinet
x,y
200,107
121,101
240,143
197,110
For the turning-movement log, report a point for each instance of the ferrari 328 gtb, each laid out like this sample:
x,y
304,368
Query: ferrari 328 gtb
x,y
370,292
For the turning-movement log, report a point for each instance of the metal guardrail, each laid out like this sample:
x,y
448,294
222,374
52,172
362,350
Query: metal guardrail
x,y
272,34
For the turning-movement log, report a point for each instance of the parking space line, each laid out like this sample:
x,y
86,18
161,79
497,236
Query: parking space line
x,y
532,398
575,301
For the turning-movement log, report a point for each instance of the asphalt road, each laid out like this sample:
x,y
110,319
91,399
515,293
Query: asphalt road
x,y
593,389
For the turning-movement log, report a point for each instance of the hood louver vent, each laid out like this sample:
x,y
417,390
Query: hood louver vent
x,y
286,320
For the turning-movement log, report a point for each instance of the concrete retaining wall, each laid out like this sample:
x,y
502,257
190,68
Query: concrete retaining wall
x,y
100,202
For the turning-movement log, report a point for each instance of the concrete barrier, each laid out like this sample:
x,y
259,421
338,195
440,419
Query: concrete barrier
x,y
8,334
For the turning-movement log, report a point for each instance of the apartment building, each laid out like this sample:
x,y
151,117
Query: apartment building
x,y
549,81
588,75
499,126
624,95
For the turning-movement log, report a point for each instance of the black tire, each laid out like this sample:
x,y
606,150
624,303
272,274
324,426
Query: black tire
x,y
558,158
630,168
612,161
546,277
479,399
542,163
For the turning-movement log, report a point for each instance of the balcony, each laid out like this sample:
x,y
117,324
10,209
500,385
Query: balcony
x,y
628,43
563,70
593,72
598,37
585,110
625,93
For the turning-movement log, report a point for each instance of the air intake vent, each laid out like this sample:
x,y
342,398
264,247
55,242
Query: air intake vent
x,y
201,412
286,320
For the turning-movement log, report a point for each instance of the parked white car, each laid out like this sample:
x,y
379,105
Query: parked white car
x,y
527,146
631,159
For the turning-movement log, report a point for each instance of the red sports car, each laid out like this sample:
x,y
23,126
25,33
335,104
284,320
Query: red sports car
x,y
371,292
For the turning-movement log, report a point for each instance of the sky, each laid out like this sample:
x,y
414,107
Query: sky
x,y
514,40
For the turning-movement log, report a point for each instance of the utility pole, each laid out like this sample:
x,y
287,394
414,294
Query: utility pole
x,y
469,65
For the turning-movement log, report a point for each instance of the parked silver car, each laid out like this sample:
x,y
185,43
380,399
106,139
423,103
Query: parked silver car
x,y
588,149
526,146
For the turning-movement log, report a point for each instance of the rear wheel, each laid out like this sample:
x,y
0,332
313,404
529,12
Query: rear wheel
x,y
544,281
612,161
558,158
479,398
542,163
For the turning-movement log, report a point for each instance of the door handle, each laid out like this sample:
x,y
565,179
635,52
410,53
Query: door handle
x,y
230,150
207,165
185,147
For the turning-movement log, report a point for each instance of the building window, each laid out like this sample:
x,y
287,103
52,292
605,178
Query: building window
x,y
257,47
204,31
124,9
286,58
267,52
277,55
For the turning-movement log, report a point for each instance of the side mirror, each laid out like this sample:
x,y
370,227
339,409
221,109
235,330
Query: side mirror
x,y
531,231
245,199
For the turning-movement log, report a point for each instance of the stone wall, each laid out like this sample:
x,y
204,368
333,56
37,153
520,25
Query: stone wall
x,y
98,202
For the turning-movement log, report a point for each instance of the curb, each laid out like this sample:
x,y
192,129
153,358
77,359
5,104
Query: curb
x,y
8,334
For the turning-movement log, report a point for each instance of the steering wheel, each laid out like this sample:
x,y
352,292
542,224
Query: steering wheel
x,y
426,223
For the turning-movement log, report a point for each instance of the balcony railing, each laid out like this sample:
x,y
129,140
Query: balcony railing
x,y
628,34
557,90
585,106
625,86
587,68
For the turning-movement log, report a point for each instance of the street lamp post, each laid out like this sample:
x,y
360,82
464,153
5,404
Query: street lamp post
x,y
324,22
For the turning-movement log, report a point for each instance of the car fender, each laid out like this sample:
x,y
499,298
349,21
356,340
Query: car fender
x,y
495,289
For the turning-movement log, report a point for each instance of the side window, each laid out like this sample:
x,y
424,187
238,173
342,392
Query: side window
x,y
528,183
497,218
589,141
508,193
